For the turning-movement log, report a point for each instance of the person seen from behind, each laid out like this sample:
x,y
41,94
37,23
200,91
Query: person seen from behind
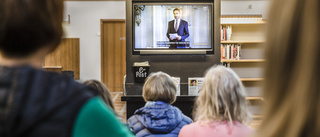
x,y
103,91
37,103
292,76
158,118
220,109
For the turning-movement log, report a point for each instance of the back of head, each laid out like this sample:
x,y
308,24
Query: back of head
x,y
159,86
103,91
291,88
28,25
222,97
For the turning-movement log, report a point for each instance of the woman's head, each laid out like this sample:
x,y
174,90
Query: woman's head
x,y
193,82
29,25
222,97
103,91
159,86
291,88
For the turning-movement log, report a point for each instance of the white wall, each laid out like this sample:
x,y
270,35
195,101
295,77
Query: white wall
x,y
242,7
85,24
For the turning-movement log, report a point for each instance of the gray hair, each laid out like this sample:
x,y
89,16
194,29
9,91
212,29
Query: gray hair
x,y
159,86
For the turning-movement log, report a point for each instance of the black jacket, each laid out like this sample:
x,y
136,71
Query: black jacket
x,y
36,103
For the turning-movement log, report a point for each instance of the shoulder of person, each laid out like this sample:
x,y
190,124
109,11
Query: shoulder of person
x,y
243,130
135,125
49,95
62,87
183,21
188,130
132,120
191,125
185,119
53,82
97,119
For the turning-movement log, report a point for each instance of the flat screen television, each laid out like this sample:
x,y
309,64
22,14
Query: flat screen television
x,y
172,28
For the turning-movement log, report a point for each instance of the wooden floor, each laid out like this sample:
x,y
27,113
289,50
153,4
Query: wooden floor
x,y
119,105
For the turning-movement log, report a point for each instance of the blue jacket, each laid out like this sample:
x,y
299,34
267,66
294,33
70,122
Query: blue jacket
x,y
158,119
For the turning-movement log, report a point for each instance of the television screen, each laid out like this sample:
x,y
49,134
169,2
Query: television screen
x,y
181,26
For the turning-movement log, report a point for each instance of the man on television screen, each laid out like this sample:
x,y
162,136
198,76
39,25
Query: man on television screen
x,y
177,30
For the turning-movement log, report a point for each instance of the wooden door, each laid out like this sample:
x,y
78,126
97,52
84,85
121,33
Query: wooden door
x,y
113,53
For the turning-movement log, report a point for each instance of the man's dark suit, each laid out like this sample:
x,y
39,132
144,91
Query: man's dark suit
x,y
182,31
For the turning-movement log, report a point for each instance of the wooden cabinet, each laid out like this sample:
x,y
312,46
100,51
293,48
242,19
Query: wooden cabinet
x,y
65,58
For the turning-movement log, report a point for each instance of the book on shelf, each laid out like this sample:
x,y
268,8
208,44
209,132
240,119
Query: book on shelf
x,y
229,32
223,51
230,51
225,32
221,33
238,52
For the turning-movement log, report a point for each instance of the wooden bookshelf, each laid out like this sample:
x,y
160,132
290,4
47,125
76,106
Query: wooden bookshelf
x,y
244,23
243,61
251,79
52,67
257,116
254,98
242,42
255,124
249,32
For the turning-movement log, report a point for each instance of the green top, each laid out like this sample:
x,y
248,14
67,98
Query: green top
x,y
96,119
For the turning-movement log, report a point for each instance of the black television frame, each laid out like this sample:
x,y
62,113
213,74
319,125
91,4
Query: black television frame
x,y
171,51
183,66
177,65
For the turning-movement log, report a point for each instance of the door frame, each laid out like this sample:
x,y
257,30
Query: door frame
x,y
102,41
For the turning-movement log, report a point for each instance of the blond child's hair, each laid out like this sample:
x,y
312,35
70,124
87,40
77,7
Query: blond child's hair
x,y
222,97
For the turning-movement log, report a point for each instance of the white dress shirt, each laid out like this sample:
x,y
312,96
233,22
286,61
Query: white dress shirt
x,y
175,21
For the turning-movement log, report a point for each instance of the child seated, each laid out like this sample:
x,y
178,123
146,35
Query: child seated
x,y
158,117
220,110
103,91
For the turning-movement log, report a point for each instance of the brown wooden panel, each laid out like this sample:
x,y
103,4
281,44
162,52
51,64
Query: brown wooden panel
x,y
66,55
94,0
123,51
113,63
53,69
